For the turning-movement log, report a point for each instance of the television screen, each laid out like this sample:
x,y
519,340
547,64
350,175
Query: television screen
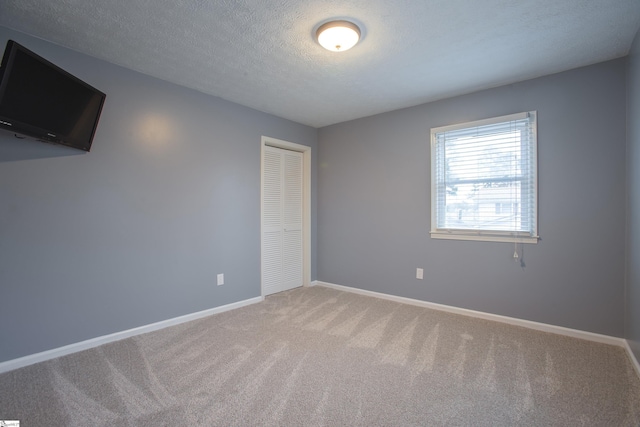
x,y
41,100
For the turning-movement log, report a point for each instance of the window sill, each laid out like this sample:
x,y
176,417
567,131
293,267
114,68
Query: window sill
x,y
482,236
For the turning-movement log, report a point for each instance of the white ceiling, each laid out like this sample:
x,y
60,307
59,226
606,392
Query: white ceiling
x,y
262,54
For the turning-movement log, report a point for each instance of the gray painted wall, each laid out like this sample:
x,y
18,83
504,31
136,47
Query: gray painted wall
x,y
632,324
374,205
135,231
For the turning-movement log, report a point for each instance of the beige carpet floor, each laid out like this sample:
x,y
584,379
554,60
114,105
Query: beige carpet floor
x,y
321,357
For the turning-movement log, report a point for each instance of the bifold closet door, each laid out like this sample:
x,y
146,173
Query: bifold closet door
x,y
282,262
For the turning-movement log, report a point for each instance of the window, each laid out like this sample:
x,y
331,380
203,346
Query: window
x,y
484,180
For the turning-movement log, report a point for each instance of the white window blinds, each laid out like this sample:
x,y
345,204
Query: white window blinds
x,y
484,179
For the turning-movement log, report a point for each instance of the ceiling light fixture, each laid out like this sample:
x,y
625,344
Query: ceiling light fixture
x,y
338,36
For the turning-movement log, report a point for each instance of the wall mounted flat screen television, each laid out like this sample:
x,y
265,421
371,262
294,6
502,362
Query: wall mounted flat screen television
x,y
41,100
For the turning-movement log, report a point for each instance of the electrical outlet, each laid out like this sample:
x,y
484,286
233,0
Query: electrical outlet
x,y
419,273
220,279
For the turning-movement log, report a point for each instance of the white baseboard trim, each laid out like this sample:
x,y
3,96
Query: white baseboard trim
x,y
632,356
21,362
560,330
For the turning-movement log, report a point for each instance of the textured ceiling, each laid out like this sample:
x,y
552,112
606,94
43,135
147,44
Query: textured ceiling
x,y
262,54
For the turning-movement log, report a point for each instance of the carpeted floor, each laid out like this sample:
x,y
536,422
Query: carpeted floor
x,y
317,356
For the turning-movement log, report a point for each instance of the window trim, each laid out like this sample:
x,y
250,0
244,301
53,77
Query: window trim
x,y
483,235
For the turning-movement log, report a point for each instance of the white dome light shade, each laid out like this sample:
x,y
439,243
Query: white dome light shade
x,y
338,36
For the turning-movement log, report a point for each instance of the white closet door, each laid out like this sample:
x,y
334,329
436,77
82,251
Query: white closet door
x,y
282,262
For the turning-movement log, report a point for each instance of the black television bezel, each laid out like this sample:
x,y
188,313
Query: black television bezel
x,y
27,129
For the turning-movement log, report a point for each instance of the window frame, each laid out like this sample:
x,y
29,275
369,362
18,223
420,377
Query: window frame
x,y
485,234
